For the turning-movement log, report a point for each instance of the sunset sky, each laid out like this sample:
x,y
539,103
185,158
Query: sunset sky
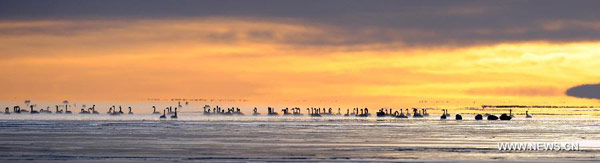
x,y
376,53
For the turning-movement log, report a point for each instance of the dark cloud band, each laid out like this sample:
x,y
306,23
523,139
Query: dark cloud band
x,y
417,23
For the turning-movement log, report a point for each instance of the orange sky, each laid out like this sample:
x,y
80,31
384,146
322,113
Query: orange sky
x,y
224,57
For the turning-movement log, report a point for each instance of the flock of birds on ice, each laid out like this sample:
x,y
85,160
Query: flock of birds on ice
x,y
171,112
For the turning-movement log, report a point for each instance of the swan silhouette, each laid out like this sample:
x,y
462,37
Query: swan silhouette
x,y
416,113
58,111
527,114
458,117
272,111
130,112
479,117
425,114
154,110
505,117
206,110
255,112
94,110
16,109
285,111
33,111
443,117
47,110
83,111
114,111
174,116
67,110
401,115
492,117
380,113
316,112
164,115
238,112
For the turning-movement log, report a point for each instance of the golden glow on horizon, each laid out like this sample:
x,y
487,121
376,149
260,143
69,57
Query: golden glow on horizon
x,y
270,62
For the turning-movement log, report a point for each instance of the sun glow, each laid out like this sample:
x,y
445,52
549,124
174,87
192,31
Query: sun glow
x,y
277,62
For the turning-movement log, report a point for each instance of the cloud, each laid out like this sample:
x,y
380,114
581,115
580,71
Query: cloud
x,y
411,23
591,91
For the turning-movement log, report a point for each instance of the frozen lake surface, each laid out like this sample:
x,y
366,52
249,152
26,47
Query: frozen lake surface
x,y
197,138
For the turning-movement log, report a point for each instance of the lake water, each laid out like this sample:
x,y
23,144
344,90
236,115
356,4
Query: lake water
x,y
197,138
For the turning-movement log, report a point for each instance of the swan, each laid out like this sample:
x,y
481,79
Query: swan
x,y
6,110
443,117
479,117
33,111
154,110
401,115
58,111
164,116
272,112
114,111
206,110
286,111
505,117
416,113
83,111
48,110
120,110
94,110
458,117
297,111
380,113
238,112
492,117
315,113
130,112
16,110
527,114
174,116
364,112
110,110
255,112
67,110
